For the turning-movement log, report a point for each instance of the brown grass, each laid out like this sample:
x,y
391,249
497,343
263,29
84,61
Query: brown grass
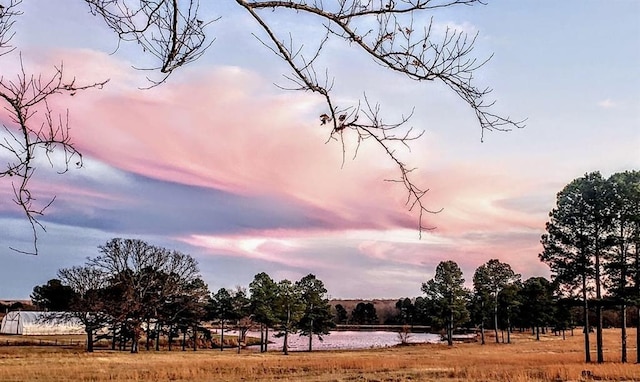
x,y
551,359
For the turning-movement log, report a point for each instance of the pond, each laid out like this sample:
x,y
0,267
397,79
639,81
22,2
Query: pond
x,y
338,340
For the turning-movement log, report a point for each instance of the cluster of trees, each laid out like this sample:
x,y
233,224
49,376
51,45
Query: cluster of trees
x,y
133,289
129,287
499,300
287,307
364,313
592,246
17,305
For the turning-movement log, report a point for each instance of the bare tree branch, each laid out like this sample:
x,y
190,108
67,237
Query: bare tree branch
x,y
397,44
170,30
393,33
25,135
8,13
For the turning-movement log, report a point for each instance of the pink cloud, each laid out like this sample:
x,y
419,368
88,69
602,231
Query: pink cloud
x,y
517,248
399,249
264,247
226,129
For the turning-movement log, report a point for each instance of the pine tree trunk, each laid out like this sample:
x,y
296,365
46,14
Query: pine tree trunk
x,y
623,335
158,327
285,347
623,307
482,321
311,333
495,315
195,337
638,334
637,271
266,337
585,311
599,350
450,330
239,336
261,338
600,354
136,338
221,335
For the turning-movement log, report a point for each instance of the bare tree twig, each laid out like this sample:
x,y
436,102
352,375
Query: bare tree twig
x,y
397,45
26,136
8,14
172,31
175,34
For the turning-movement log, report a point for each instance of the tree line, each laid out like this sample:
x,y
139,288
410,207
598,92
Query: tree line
x,y
499,300
126,311
133,289
591,244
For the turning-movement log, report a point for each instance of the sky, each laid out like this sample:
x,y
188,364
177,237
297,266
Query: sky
x,y
222,164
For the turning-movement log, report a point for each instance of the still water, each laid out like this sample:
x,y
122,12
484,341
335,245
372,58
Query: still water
x,y
348,340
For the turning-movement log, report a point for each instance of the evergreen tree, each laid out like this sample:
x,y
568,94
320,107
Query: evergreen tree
x,y
52,296
317,311
288,309
341,314
263,292
406,310
447,291
364,313
575,242
537,303
488,281
624,199
509,305
221,309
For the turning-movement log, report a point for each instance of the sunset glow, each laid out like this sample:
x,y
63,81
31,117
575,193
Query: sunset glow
x,y
220,163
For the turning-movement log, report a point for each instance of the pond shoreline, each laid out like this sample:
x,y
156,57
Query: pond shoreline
x,y
346,340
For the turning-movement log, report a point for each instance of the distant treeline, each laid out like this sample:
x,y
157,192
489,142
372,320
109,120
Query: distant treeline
x,y
133,290
591,244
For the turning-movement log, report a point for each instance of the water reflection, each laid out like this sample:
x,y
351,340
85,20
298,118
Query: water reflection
x,y
348,340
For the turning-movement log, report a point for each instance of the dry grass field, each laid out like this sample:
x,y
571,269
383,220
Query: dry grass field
x,y
551,359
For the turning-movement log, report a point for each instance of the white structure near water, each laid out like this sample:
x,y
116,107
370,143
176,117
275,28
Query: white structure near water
x,y
39,324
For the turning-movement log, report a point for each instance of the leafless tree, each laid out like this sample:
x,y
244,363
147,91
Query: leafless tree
x,y
392,33
404,335
150,278
88,304
30,126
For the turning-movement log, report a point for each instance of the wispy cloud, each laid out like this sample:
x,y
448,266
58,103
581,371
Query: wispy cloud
x,y
607,104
